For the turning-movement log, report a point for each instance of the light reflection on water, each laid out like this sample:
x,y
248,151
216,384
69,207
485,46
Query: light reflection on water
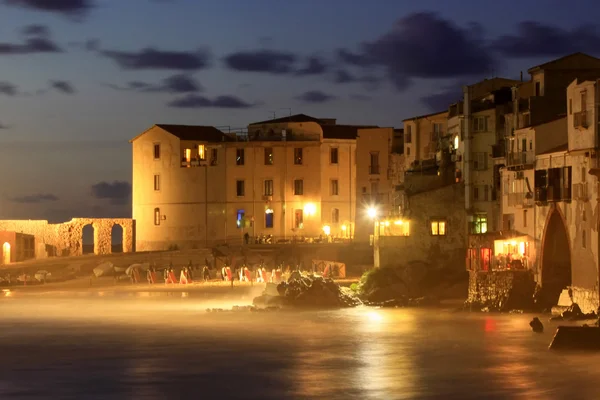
x,y
170,348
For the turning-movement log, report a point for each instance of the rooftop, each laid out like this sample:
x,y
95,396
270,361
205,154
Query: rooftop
x,y
577,60
293,118
557,149
195,132
343,131
426,115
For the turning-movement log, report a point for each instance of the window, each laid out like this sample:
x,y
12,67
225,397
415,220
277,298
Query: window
x,y
188,155
269,187
583,238
456,139
438,228
213,156
583,101
407,151
374,167
268,156
333,155
480,161
239,157
570,106
268,218
334,187
298,156
157,182
240,218
475,193
537,88
408,134
486,193
524,218
157,216
298,187
298,219
479,124
156,151
239,188
479,224
335,216
202,152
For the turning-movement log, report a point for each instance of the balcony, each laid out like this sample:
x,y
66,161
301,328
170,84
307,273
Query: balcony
x,y
552,194
520,200
194,163
580,120
520,160
373,169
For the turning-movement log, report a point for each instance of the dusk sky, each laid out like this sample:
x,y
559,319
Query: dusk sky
x,y
79,78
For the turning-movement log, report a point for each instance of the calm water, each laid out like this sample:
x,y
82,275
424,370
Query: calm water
x,y
170,348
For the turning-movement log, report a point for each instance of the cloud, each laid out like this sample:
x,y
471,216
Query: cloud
x,y
179,83
2,126
75,9
424,45
269,61
62,86
196,101
360,97
441,100
35,198
36,40
315,96
534,39
151,58
314,66
117,192
8,89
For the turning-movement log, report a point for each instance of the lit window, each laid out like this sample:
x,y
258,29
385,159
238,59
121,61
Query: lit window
x,y
157,216
201,152
268,156
268,218
438,228
156,182
456,142
298,156
299,219
240,218
479,224
188,155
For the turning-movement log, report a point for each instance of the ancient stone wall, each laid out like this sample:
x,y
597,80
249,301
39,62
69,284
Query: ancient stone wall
x,y
501,290
66,238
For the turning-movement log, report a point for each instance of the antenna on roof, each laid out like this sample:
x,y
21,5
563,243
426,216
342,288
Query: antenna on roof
x,y
289,110
274,114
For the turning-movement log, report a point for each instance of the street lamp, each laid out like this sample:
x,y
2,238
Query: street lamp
x,y
372,212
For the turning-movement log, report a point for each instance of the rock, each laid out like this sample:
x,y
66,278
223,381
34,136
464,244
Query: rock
x,y
536,325
576,338
424,301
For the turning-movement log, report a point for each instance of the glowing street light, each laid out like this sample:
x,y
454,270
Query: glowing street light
x,y
372,212
310,209
327,230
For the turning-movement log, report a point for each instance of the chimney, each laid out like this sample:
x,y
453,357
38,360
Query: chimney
x,y
521,76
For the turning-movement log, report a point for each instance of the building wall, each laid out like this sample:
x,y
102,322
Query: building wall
x,y
449,251
582,138
421,129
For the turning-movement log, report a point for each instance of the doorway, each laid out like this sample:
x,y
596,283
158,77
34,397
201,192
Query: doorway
x,y
6,253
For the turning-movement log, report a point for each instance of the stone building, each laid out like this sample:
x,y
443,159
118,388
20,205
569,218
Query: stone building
x,y
16,247
294,178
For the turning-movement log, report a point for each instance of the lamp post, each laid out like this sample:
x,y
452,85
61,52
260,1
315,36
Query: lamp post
x,y
373,214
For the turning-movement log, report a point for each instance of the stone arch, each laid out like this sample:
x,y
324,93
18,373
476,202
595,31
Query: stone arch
x,y
117,236
556,258
6,253
88,239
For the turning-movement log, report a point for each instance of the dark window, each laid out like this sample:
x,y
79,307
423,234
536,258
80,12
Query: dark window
x,y
298,156
269,218
157,216
269,187
374,167
334,187
213,156
298,187
408,134
268,156
335,216
537,89
156,182
156,151
239,188
239,157
333,156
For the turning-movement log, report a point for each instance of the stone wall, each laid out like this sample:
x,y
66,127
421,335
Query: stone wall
x,y
501,290
66,239
586,299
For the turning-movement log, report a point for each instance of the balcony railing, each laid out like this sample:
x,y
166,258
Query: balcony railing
x,y
194,163
374,169
580,119
520,200
552,194
521,158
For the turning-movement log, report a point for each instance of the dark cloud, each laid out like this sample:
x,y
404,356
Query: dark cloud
x,y
35,198
342,76
62,86
179,83
8,89
36,40
70,8
315,96
441,100
117,192
2,126
269,61
314,66
196,101
424,45
360,97
150,58
534,39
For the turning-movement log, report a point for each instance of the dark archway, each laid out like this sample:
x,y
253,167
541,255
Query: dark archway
x,y
556,259
88,242
116,236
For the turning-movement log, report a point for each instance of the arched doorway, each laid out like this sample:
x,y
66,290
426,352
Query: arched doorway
x,y
116,236
6,253
556,259
88,240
